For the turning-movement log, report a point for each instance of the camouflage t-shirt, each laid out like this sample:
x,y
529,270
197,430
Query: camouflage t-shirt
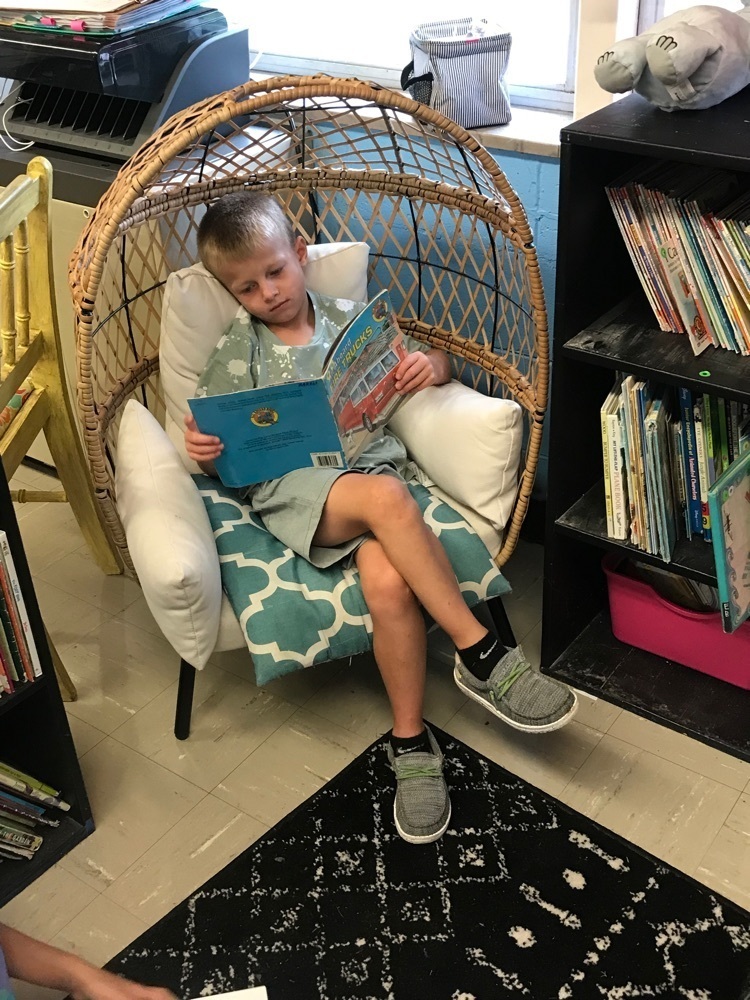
x,y
250,355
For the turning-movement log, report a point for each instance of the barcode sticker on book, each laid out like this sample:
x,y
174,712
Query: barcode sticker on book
x,y
327,459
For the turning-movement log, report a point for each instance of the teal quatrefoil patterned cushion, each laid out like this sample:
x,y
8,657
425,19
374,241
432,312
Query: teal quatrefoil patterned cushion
x,y
294,615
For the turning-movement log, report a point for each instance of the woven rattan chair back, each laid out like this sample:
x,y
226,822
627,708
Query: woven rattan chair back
x,y
447,234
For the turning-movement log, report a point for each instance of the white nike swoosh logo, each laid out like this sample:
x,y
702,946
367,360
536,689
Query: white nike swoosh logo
x,y
483,656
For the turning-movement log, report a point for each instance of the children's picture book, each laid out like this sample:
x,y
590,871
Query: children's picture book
x,y
729,502
317,423
25,638
254,993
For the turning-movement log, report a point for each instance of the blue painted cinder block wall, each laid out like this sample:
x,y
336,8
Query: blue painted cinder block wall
x,y
536,181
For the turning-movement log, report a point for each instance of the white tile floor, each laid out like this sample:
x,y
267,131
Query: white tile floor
x,y
171,814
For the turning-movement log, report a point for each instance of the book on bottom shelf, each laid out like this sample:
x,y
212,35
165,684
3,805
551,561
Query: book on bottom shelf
x,y
19,657
26,636
729,501
25,802
662,451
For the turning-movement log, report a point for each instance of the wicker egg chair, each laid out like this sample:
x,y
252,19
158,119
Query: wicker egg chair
x,y
351,162
448,237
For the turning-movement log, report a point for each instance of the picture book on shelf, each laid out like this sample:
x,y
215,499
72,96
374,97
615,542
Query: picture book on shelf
x,y
315,423
24,801
685,229
729,502
27,787
27,639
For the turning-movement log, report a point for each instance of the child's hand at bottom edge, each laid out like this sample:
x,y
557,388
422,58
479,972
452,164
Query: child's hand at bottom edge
x,y
200,447
91,983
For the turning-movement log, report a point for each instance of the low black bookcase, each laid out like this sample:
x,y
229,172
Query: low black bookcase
x,y
35,736
603,324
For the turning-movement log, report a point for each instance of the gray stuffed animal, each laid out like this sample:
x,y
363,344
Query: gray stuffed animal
x,y
692,59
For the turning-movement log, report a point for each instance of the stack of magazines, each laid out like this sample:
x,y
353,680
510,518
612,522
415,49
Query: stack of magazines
x,y
676,465
105,17
24,805
687,231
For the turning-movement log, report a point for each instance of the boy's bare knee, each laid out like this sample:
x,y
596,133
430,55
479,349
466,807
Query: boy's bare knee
x,y
390,500
385,590
389,594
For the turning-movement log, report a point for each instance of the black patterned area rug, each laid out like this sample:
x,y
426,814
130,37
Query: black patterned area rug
x,y
522,897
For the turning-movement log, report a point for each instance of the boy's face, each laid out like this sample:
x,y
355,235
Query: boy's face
x,y
270,283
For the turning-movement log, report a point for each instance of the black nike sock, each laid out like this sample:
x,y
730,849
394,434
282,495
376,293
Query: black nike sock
x,y
410,744
482,658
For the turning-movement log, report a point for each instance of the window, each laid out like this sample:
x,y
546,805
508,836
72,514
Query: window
x,y
373,44
376,374
653,10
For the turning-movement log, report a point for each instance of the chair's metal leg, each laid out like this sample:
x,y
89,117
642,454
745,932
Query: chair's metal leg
x,y
500,620
185,688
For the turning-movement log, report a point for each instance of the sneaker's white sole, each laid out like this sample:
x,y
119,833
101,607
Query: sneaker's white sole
x,y
548,728
429,838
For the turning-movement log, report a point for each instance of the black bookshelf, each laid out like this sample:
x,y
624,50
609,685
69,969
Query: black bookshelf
x,y
35,736
603,324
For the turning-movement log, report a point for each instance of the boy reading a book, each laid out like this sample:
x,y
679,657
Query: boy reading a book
x,y
40,964
366,513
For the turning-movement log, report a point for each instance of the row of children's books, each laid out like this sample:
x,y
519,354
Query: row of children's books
x,y
673,462
19,658
687,230
25,804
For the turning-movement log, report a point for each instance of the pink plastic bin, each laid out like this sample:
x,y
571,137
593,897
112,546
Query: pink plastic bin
x,y
696,639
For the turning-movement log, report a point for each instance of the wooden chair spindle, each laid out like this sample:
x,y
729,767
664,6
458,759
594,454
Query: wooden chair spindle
x,y
7,304
23,313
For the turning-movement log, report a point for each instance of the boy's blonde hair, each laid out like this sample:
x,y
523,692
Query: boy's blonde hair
x,y
240,224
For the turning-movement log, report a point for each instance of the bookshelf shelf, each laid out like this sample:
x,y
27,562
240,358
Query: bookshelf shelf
x,y
707,709
35,736
587,519
602,324
15,876
10,701
626,339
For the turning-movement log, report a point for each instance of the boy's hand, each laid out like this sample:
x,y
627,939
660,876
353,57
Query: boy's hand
x,y
96,984
415,372
200,447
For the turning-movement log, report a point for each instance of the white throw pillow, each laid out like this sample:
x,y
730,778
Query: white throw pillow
x,y
197,309
169,536
468,444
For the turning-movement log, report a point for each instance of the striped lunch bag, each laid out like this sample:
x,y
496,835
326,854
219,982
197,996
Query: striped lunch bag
x,y
458,68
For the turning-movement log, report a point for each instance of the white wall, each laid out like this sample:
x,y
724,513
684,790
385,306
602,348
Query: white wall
x,y
601,22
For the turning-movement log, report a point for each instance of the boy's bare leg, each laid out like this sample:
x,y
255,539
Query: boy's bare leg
x,y
383,505
498,678
422,808
399,636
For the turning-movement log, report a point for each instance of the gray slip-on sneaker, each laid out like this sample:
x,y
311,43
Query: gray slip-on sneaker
x,y
422,808
519,695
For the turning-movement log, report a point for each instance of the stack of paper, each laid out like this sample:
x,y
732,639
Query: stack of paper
x,y
255,993
108,16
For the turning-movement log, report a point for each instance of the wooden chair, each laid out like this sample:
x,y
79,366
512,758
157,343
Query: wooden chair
x,y
31,354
